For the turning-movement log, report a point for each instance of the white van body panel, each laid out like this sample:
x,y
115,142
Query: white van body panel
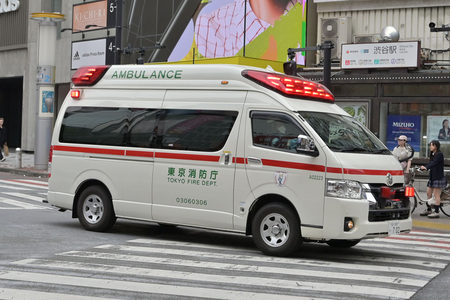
x,y
210,183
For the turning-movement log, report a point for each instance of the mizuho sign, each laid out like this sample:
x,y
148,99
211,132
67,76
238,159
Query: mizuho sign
x,y
9,5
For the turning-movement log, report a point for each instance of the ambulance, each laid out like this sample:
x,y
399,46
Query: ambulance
x,y
222,147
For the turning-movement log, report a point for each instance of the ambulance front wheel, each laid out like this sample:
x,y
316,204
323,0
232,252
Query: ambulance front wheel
x,y
276,230
95,209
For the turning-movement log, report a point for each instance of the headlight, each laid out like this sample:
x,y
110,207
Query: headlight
x,y
344,189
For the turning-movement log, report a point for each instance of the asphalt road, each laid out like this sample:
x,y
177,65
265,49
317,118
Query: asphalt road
x,y
44,254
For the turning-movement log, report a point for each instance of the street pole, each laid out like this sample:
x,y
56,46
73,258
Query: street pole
x,y
326,47
45,86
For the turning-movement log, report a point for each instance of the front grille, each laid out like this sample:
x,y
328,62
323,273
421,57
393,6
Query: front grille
x,y
388,214
397,208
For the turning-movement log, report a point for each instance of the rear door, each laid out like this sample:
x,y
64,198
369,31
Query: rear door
x,y
194,166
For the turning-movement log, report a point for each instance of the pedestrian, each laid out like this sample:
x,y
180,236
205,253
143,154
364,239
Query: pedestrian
x,y
404,153
2,138
437,179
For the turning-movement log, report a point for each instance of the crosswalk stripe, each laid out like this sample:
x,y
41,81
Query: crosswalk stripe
x,y
25,196
189,262
10,187
362,272
37,295
426,233
30,181
413,243
165,289
382,259
43,186
295,284
19,204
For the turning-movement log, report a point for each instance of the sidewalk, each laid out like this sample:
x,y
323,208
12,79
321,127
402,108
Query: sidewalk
x,y
27,168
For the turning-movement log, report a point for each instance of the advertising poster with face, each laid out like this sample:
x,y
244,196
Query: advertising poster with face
x,y
438,129
262,29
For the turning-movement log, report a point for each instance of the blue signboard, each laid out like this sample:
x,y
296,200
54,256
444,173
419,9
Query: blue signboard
x,y
403,125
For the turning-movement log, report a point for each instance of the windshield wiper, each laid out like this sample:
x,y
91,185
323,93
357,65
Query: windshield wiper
x,y
382,151
354,149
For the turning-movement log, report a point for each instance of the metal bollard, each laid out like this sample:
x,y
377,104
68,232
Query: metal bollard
x,y
18,158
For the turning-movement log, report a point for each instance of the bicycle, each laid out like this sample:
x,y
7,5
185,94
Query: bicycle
x,y
445,193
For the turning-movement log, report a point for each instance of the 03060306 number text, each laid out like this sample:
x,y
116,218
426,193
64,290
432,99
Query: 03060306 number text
x,y
192,201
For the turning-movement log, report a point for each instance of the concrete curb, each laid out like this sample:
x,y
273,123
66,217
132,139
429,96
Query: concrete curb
x,y
26,172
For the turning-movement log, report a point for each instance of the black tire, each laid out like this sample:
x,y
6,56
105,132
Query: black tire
x,y
445,207
276,230
413,203
95,209
343,243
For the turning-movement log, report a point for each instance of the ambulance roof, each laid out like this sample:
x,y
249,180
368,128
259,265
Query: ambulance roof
x,y
212,77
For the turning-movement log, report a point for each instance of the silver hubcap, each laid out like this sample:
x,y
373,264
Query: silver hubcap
x,y
93,209
275,230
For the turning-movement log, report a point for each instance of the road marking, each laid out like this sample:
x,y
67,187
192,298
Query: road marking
x,y
30,181
122,285
189,262
20,204
25,196
420,261
22,183
296,283
37,295
395,269
11,187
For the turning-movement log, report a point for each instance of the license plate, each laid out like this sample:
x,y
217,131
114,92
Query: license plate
x,y
394,228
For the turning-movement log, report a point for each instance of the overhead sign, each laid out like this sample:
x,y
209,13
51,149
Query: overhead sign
x,y
92,13
92,52
380,55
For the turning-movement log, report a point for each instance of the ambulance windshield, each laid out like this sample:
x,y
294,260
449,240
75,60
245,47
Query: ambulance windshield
x,y
344,133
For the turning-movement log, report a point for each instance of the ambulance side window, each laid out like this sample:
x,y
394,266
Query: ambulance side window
x,y
109,126
275,130
142,130
195,130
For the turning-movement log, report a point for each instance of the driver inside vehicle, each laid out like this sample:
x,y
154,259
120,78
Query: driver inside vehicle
x,y
283,139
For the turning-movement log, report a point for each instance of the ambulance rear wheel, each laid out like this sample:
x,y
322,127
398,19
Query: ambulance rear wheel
x,y
276,230
95,209
343,243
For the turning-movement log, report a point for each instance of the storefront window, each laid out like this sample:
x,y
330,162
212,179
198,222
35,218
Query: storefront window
x,y
420,122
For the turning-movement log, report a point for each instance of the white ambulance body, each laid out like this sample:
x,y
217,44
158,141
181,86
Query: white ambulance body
x,y
223,147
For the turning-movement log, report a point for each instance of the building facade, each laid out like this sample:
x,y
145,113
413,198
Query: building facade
x,y
411,100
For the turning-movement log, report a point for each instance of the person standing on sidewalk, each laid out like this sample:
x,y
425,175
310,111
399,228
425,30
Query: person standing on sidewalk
x,y
2,138
404,153
437,179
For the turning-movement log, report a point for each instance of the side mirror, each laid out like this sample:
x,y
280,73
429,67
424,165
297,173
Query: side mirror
x,y
306,145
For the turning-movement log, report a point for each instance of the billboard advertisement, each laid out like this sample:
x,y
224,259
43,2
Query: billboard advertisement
x,y
403,125
225,28
438,129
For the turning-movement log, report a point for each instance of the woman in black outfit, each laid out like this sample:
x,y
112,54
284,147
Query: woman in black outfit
x,y
2,138
437,179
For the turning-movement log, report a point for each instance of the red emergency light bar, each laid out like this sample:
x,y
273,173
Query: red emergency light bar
x,y
88,76
290,86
